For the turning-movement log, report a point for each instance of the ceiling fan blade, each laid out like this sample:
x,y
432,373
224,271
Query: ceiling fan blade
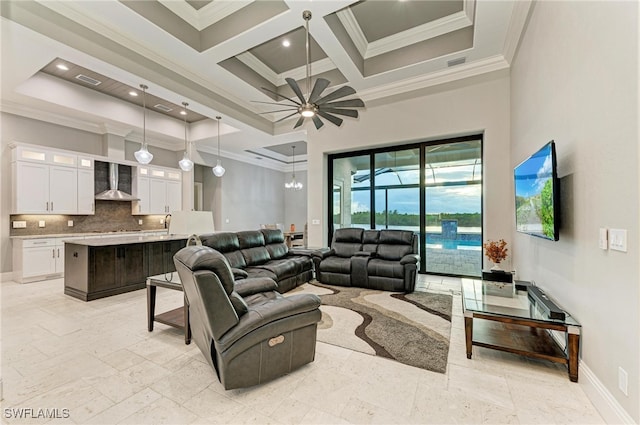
x,y
346,112
299,122
269,103
317,121
341,92
296,89
279,110
318,87
353,103
335,120
279,95
284,118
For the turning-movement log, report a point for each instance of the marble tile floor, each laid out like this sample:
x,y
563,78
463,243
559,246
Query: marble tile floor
x,y
95,363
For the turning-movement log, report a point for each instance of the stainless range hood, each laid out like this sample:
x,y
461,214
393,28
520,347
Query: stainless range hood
x,y
113,194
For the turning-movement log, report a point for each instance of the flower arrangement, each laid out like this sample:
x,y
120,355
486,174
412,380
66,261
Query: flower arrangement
x,y
496,251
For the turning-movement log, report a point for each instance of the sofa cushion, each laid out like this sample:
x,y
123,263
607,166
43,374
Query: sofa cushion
x,y
235,259
353,235
255,256
346,249
260,272
272,236
384,268
223,242
250,239
277,250
393,252
335,264
399,237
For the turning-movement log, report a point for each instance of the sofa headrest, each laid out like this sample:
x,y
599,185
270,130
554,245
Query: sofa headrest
x,y
200,257
272,236
223,241
371,236
396,237
353,235
250,239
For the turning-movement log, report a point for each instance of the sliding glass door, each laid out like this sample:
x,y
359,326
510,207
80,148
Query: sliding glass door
x,y
433,189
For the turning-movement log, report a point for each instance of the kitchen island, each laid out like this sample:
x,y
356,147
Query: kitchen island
x,y
101,267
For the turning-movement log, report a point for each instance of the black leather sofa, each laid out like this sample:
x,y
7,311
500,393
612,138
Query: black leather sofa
x,y
247,331
376,259
262,253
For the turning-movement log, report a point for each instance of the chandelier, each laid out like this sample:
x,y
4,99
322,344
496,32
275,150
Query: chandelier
x,y
186,164
293,184
218,170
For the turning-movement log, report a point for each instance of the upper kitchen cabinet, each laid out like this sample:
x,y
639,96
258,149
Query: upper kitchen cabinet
x,y
44,181
159,190
86,186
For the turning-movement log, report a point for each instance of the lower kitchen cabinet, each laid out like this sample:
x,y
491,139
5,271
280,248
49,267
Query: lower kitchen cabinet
x,y
97,269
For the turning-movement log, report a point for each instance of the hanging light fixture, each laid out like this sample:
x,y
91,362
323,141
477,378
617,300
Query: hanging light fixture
x,y
186,164
143,156
218,170
293,184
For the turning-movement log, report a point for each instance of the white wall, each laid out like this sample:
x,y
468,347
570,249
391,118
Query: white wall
x,y
575,80
469,107
295,203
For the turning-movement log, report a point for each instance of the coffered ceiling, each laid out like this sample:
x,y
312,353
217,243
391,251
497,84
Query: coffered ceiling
x,y
218,54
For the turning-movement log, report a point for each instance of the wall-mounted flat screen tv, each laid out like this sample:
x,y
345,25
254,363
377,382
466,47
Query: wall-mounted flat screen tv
x,y
537,194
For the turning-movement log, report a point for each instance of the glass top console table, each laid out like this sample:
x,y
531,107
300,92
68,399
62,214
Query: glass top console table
x,y
513,322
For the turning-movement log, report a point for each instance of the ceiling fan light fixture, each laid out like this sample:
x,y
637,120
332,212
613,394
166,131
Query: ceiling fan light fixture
x,y
143,156
308,110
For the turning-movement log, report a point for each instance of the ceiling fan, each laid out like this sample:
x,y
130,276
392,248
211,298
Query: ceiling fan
x,y
315,106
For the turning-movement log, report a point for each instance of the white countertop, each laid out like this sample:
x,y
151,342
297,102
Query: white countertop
x,y
90,234
126,240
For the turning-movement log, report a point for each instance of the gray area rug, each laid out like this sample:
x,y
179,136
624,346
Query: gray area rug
x,y
413,329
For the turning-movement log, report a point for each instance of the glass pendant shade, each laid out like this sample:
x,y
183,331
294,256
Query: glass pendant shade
x,y
143,156
218,170
186,164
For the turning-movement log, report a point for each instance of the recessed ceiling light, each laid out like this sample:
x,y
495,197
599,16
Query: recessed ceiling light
x,y
133,93
62,67
286,43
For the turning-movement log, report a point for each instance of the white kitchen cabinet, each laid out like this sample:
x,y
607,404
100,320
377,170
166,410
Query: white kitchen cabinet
x,y
39,259
44,182
159,191
86,192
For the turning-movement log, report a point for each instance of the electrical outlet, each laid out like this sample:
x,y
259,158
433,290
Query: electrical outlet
x,y
140,222
41,223
315,221
227,220
162,221
19,224
70,223
623,380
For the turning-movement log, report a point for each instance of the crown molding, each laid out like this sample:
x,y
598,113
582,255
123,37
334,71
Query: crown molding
x,y
50,117
470,69
351,26
517,22
244,157
320,66
258,66
208,15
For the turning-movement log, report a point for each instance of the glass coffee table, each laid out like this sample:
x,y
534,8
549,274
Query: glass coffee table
x,y
500,317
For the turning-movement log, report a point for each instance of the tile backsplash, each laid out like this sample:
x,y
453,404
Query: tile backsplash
x,y
110,216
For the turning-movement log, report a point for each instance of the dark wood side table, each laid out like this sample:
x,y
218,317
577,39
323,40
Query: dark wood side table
x,y
178,317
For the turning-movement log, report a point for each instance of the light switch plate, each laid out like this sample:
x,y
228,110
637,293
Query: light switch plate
x,y
618,239
19,224
315,221
603,239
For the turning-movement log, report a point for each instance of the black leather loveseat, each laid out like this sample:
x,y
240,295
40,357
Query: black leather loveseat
x,y
376,259
262,253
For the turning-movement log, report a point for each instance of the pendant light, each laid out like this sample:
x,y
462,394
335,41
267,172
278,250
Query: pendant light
x,y
186,164
218,170
143,156
293,184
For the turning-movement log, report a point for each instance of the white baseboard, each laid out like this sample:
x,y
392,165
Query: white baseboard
x,y
608,407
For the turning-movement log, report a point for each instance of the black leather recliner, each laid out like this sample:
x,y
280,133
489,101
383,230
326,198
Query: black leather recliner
x,y
376,259
247,331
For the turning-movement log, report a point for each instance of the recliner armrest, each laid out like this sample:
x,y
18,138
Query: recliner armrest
x,y
239,273
254,285
305,252
323,253
410,259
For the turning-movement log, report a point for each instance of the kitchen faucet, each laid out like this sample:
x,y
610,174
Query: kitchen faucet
x,y
167,219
